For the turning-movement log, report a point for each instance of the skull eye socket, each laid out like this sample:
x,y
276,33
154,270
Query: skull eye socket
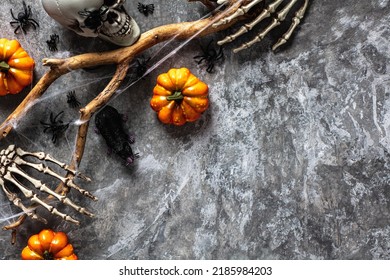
x,y
112,17
92,22
93,19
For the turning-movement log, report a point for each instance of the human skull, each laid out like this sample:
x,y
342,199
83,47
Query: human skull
x,y
106,19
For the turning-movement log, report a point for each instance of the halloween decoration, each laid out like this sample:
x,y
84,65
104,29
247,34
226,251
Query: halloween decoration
x,y
106,19
142,66
12,160
72,100
122,58
23,19
52,43
56,126
210,55
179,97
48,245
109,124
145,9
16,67
278,16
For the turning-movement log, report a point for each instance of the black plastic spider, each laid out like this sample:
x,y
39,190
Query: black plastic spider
x,y
145,9
94,19
52,43
56,126
210,55
23,19
72,100
142,66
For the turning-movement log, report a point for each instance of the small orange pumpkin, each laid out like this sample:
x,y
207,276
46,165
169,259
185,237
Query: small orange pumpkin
x,y
16,67
179,97
48,245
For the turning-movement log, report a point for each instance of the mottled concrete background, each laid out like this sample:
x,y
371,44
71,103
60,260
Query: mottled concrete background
x,y
291,160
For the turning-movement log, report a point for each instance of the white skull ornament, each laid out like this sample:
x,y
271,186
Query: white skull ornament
x,y
106,19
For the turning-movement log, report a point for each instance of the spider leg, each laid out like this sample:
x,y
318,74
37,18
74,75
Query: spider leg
x,y
25,8
16,30
220,54
296,20
271,8
199,56
281,15
54,137
210,67
151,8
18,203
47,126
34,23
57,116
12,14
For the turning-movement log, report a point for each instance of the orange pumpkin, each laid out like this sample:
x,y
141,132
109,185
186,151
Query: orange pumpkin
x,y
48,245
16,67
179,97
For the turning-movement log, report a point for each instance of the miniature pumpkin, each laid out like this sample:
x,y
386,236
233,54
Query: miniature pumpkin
x,y
48,245
16,67
179,97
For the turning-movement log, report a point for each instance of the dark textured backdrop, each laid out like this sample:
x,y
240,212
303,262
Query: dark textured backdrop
x,y
291,160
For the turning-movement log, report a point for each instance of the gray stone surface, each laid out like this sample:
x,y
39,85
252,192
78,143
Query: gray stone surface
x,y
291,160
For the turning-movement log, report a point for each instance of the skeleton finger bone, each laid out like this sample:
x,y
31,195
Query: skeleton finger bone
x,y
43,187
246,27
18,202
275,22
239,12
11,160
47,157
46,170
296,20
33,197
277,19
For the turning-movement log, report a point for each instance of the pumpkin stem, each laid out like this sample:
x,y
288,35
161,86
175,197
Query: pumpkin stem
x,y
4,67
176,96
48,256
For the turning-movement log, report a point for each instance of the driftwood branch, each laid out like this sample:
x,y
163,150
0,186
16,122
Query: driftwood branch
x,y
122,58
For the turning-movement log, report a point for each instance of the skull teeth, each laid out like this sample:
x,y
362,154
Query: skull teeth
x,y
124,31
126,28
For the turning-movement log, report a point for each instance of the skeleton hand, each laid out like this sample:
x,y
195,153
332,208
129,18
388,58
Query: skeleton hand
x,y
278,16
11,163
